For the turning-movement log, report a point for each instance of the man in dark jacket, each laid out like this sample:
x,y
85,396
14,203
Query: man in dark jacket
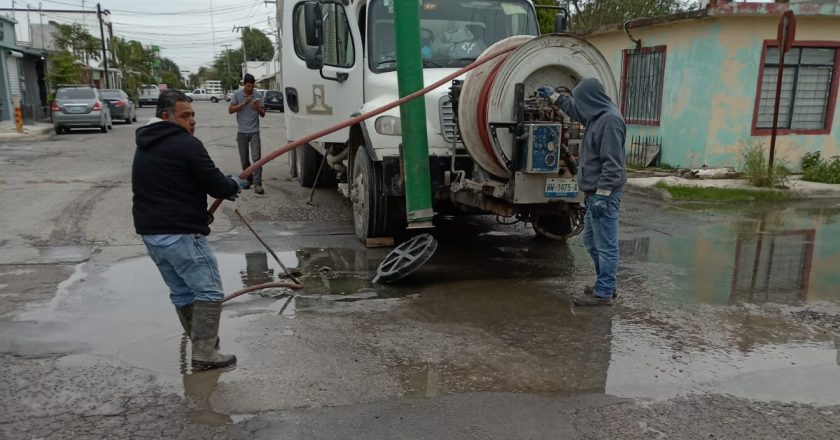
x,y
601,177
171,177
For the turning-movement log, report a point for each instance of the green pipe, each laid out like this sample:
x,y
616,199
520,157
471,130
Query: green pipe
x,y
418,186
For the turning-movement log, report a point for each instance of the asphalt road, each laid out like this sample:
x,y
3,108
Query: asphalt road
x,y
714,335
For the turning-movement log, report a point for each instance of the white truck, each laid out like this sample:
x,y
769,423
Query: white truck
x,y
148,94
339,61
213,96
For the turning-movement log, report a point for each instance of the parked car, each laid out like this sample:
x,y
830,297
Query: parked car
x,y
80,107
274,100
120,105
205,95
229,95
148,95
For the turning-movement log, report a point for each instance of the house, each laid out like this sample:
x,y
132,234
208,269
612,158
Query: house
x,y
23,76
703,82
265,73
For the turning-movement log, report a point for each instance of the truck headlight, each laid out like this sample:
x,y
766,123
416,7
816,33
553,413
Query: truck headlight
x,y
388,126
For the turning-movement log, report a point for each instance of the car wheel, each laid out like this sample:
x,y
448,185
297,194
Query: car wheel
x,y
140,105
128,120
308,160
59,130
214,100
104,128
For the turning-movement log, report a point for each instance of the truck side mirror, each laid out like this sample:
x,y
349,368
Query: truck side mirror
x,y
313,18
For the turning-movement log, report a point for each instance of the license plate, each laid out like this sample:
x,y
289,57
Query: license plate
x,y
555,187
75,109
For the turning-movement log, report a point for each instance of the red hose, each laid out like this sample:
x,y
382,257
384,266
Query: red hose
x,y
275,284
355,120
481,112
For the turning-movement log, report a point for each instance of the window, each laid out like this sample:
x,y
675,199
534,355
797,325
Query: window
x,y
809,88
641,85
337,49
75,94
453,33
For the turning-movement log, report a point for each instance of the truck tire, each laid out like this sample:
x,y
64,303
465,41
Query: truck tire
x,y
308,159
214,100
556,227
370,211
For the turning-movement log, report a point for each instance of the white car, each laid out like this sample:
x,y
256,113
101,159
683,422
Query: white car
x,y
205,95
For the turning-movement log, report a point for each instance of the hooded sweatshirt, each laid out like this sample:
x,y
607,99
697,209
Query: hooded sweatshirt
x,y
602,149
171,177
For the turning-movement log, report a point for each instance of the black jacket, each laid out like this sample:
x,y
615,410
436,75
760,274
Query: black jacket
x,y
171,177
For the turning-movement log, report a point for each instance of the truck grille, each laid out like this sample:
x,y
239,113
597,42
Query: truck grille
x,y
448,129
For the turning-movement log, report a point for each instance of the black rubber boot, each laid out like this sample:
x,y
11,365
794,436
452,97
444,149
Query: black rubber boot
x,y
205,333
185,316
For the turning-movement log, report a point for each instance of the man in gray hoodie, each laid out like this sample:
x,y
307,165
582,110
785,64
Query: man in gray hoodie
x,y
601,177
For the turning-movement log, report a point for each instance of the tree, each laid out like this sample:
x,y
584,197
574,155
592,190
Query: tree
x,y
228,68
590,15
134,61
65,69
171,74
257,46
76,40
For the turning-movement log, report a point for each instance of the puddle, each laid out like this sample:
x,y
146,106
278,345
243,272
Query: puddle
x,y
769,254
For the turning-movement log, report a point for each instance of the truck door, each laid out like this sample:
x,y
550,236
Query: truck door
x,y
321,97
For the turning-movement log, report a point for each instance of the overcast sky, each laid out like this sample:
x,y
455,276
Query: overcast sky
x,y
182,28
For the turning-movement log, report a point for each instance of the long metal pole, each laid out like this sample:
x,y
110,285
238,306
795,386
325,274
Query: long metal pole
x,y
104,51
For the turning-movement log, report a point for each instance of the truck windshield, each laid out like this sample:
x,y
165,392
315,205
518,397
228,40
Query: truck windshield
x,y
453,32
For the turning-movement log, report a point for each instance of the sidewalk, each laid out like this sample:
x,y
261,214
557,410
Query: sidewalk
x,y
30,132
798,188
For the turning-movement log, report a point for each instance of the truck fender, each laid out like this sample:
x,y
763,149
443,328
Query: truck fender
x,y
362,130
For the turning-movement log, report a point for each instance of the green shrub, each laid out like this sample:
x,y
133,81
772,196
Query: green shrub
x,y
755,167
817,169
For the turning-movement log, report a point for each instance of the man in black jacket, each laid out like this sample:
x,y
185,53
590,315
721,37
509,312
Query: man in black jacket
x,y
171,177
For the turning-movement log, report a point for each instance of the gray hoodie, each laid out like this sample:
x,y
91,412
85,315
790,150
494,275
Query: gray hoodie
x,y
602,149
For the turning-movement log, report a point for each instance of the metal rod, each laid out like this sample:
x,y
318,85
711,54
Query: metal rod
x,y
267,247
317,177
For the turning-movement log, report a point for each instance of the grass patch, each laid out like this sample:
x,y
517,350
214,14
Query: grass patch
x,y
755,167
701,194
817,169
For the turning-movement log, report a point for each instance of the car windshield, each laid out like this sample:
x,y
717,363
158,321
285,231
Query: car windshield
x,y
271,93
75,94
111,94
453,32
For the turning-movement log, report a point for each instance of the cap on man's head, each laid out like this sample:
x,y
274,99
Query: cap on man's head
x,y
249,79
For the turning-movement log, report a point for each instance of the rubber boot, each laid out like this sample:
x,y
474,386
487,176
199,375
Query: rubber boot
x,y
205,333
185,316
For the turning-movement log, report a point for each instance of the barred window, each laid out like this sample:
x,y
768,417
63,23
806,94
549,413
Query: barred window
x,y
641,85
808,78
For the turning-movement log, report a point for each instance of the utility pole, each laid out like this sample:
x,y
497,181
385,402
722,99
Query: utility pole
x,y
227,56
212,29
244,52
104,51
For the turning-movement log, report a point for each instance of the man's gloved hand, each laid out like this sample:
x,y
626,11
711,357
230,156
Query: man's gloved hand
x,y
241,182
546,91
599,206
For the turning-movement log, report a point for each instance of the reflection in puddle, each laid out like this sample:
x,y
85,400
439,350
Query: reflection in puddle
x,y
787,256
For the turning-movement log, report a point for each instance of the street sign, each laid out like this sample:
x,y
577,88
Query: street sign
x,y
787,31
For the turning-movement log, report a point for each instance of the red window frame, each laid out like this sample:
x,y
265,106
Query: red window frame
x,y
626,53
832,95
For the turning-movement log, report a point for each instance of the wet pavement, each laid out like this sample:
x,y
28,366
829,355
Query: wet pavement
x,y
727,326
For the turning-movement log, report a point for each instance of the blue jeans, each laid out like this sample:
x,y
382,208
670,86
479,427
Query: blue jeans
x,y
600,236
189,268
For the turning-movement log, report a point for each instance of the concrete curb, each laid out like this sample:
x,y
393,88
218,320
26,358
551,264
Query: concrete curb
x,y
799,190
31,132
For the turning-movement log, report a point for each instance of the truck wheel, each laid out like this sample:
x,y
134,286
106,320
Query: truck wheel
x,y
308,160
368,197
554,227
214,100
